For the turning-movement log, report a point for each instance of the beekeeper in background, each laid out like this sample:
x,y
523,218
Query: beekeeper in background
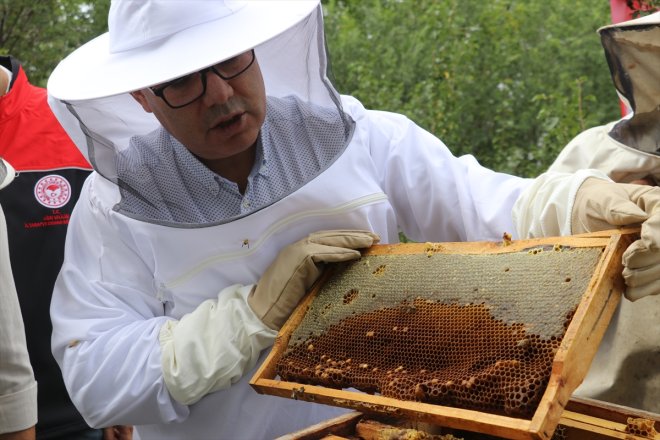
x,y
625,370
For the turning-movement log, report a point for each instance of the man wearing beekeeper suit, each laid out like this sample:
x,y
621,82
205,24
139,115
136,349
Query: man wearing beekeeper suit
x,y
625,370
228,170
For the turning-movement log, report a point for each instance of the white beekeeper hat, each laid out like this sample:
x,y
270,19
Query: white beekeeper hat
x,y
154,41
643,21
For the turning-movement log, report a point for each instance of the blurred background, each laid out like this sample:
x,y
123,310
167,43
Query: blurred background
x,y
510,82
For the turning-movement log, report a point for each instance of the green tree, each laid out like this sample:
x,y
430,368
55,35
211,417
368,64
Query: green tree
x,y
508,81
40,33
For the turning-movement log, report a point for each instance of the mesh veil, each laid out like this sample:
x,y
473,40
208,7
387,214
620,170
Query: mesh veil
x,y
633,56
293,64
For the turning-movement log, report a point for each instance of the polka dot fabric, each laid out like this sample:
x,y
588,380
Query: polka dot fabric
x,y
162,182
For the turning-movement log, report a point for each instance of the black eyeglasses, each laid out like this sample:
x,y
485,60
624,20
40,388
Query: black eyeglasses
x,y
188,89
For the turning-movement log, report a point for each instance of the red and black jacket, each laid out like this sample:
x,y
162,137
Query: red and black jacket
x,y
37,205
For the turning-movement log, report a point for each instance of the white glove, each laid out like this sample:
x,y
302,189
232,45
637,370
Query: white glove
x,y
213,346
601,204
544,208
587,201
298,266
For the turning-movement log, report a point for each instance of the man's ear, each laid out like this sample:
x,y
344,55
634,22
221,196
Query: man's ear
x,y
140,97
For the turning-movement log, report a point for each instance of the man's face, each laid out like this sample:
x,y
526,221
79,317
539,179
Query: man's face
x,y
224,122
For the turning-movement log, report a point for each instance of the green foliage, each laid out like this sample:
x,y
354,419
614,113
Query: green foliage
x,y
508,81
40,33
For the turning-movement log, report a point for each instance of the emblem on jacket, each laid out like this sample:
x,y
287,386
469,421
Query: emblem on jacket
x,y
52,191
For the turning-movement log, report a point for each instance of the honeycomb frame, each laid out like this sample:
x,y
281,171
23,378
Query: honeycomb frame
x,y
584,419
567,364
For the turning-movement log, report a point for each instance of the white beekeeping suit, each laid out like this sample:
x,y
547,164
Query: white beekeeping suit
x,y
626,368
172,286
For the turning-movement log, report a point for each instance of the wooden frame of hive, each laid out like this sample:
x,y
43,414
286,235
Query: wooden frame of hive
x,y
569,366
583,419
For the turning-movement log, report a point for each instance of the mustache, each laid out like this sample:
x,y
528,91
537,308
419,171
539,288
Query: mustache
x,y
223,111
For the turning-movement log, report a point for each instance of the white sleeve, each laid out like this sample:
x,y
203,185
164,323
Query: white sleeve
x,y
440,197
437,196
595,148
107,319
210,348
8,76
544,208
18,389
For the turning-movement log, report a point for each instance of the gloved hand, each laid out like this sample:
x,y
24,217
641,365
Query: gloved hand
x,y
297,267
198,356
600,204
213,346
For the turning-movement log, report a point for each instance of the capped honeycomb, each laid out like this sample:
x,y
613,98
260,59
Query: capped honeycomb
x,y
470,331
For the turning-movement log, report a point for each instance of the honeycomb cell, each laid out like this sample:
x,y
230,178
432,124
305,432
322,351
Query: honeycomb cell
x,y
380,270
469,331
641,427
350,296
444,357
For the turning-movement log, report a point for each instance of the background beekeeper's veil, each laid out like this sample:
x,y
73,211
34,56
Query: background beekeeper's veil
x,y
625,149
153,41
632,49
